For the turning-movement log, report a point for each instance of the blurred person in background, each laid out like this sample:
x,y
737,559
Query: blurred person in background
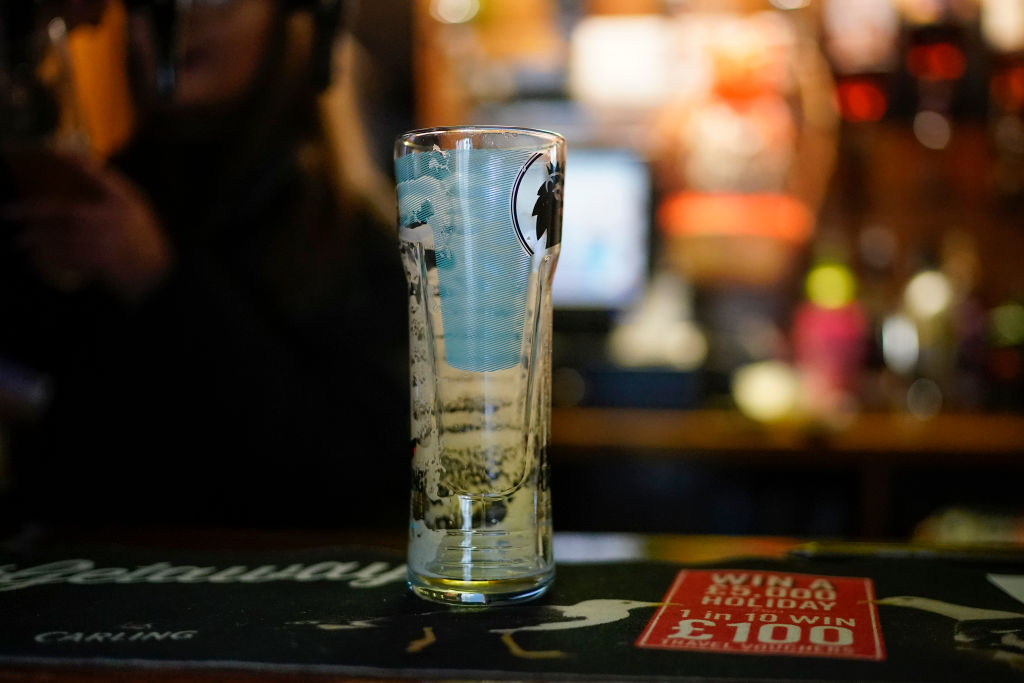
x,y
221,329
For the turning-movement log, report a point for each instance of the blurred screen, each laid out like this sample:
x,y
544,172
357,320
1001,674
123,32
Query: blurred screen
x,y
605,230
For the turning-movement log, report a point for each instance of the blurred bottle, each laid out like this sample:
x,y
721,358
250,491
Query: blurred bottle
x,y
830,339
861,41
1005,356
745,148
919,341
1002,26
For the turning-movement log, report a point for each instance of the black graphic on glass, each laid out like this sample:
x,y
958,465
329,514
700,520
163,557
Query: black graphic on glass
x,y
548,208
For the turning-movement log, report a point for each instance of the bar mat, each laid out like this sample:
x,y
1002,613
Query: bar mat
x,y
346,610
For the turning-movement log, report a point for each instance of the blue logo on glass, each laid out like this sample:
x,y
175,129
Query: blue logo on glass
x,y
475,202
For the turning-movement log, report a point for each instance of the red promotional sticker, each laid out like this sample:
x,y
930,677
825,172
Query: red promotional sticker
x,y
767,613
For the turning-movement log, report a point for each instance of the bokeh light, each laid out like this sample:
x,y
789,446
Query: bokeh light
x,y
924,399
878,246
861,100
900,343
790,4
932,129
454,11
1007,323
928,294
1002,24
936,62
831,285
767,391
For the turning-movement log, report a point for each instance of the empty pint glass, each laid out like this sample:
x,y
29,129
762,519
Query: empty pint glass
x,y
480,211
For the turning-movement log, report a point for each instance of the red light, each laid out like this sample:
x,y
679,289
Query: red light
x,y
861,100
936,62
1008,88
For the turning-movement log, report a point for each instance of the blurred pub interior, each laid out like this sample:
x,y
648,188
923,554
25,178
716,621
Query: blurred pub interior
x,y
790,298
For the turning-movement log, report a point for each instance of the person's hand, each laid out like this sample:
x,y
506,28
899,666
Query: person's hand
x,y
105,231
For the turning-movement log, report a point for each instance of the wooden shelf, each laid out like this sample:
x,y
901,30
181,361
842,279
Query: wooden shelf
x,y
986,437
872,445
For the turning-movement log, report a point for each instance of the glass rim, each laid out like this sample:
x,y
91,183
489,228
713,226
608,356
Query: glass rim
x,y
405,140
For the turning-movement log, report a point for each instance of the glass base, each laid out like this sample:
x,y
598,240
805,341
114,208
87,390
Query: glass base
x,y
480,593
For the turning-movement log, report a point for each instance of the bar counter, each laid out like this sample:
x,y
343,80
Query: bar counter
x,y
272,606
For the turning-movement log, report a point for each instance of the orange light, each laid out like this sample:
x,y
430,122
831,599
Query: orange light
x,y
861,100
769,215
936,62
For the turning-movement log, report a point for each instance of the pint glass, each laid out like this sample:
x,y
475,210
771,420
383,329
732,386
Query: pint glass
x,y
480,212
